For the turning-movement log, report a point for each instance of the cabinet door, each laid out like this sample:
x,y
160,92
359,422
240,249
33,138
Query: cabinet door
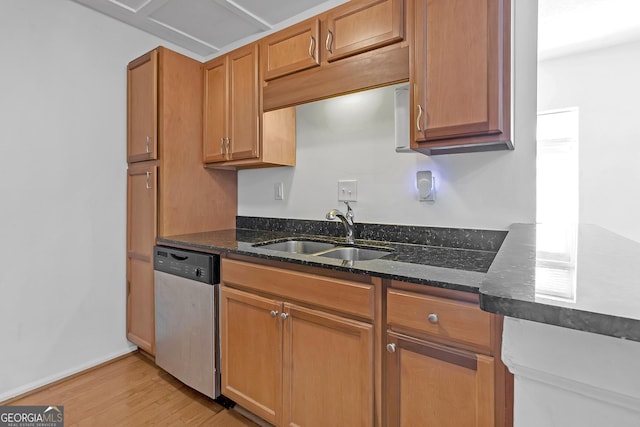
x,y
216,106
434,385
328,370
251,345
141,234
363,25
244,119
142,108
290,50
458,75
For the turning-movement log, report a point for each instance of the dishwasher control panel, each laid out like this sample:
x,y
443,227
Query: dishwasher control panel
x,y
191,265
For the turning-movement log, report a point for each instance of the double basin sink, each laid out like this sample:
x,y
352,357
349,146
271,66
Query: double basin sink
x,y
327,249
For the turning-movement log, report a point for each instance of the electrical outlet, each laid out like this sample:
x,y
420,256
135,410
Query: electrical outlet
x,y
278,191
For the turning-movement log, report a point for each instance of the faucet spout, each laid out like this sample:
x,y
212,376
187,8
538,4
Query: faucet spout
x,y
347,222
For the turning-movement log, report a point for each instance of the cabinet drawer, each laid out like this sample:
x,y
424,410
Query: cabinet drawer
x,y
452,320
335,294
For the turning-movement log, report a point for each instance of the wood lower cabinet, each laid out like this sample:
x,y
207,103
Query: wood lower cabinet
x,y
293,364
328,369
251,343
460,75
172,194
142,196
433,385
443,364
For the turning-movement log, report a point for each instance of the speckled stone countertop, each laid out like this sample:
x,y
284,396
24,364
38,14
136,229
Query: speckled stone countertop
x,y
581,277
444,257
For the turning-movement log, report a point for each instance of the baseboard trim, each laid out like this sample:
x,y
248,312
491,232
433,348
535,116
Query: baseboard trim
x,y
36,386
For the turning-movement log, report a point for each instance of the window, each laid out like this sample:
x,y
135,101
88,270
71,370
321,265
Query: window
x,y
557,204
557,167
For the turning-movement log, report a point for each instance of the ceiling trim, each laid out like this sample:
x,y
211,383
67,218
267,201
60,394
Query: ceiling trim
x,y
182,33
244,14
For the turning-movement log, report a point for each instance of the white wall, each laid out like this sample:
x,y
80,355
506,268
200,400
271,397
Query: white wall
x,y
353,138
603,84
62,189
567,378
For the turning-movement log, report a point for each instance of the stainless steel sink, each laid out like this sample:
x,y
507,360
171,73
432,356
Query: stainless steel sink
x,y
326,249
354,253
298,246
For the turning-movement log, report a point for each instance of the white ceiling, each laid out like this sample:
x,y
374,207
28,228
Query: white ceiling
x,y
571,26
206,27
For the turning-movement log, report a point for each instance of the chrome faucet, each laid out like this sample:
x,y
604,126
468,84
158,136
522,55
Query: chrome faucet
x,y
347,221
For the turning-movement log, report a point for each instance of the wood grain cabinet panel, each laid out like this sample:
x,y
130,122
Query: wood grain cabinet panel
x,y
171,193
141,234
443,364
451,320
293,49
330,358
433,385
460,74
244,118
236,132
362,25
142,107
290,364
216,98
251,344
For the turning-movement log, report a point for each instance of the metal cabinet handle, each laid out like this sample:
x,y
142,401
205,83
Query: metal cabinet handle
x,y
312,46
273,313
148,185
433,318
147,145
419,118
284,316
391,348
329,41
222,146
227,144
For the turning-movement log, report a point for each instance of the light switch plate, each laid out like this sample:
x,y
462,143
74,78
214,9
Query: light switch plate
x,y
347,190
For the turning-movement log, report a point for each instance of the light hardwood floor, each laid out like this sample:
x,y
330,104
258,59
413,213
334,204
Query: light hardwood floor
x,y
132,392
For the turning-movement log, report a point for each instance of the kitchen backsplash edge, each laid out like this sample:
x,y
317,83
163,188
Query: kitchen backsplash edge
x,y
462,238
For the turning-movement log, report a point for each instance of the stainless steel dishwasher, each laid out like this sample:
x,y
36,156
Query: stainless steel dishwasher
x,y
186,310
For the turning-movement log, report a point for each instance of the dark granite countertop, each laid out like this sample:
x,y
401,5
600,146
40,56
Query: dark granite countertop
x,y
448,258
581,277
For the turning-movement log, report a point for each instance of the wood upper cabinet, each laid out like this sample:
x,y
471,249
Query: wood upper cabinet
x,y
236,133
142,118
433,385
362,45
296,365
361,25
460,73
216,98
244,103
293,49
231,103
141,234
